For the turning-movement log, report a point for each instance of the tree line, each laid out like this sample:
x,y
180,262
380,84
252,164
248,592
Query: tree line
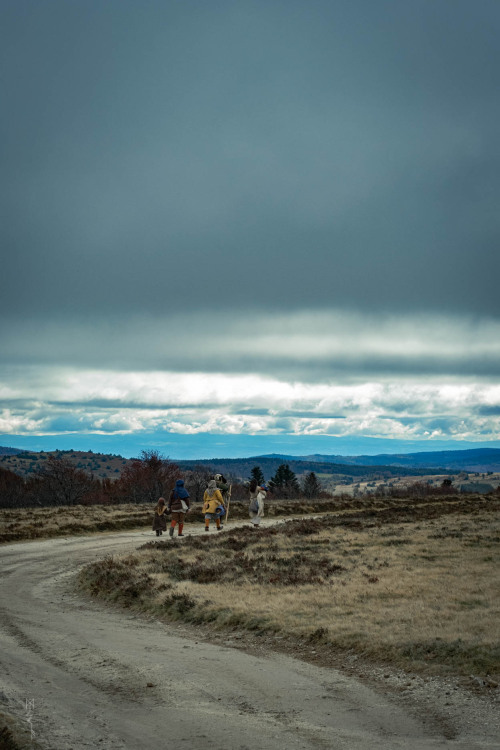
x,y
143,480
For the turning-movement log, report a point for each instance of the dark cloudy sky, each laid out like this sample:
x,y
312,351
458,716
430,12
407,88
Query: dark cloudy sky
x,y
276,219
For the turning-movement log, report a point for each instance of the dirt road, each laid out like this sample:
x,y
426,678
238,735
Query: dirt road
x,y
87,676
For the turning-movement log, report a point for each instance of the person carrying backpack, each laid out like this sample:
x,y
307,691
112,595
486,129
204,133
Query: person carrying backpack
x,y
178,505
256,507
224,488
212,499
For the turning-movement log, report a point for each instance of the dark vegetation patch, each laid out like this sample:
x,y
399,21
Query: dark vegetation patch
x,y
240,557
15,733
118,580
7,741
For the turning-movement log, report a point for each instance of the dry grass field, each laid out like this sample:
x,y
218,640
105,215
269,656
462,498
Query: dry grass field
x,y
411,584
46,522
43,523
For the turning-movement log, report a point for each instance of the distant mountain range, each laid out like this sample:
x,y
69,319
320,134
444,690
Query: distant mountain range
x,y
476,459
428,462
384,465
240,468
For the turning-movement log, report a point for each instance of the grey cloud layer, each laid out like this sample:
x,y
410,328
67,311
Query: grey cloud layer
x,y
306,345
233,155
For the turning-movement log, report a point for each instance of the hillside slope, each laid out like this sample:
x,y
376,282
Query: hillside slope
x,y
476,459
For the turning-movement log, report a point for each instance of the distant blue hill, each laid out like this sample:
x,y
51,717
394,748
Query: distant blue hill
x,y
208,445
475,459
471,459
241,467
4,451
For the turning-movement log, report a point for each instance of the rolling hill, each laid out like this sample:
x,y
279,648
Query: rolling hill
x,y
382,466
476,459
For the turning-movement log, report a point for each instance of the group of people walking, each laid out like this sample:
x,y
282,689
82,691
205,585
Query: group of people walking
x,y
215,504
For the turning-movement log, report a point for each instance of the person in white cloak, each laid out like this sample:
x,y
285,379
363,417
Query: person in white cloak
x,y
256,507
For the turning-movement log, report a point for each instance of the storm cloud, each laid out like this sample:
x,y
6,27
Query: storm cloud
x,y
303,193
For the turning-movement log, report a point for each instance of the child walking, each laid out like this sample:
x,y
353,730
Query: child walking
x,y
160,518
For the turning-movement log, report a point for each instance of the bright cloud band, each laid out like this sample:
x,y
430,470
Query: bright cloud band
x,y
307,373
106,401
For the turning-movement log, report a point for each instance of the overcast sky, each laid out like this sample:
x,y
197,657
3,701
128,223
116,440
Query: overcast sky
x,y
273,219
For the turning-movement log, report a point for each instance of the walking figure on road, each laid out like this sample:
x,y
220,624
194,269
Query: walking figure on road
x,y
225,490
256,507
212,499
178,505
160,517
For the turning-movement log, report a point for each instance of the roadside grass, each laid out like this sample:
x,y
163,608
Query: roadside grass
x,y
45,522
42,523
15,733
413,585
7,739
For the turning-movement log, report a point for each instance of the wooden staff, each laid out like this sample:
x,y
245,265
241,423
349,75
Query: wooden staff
x,y
228,501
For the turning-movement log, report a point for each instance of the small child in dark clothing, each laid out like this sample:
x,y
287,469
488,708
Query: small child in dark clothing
x,y
160,518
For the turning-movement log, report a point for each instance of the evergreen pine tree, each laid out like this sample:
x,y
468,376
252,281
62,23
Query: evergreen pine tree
x,y
257,474
311,486
284,483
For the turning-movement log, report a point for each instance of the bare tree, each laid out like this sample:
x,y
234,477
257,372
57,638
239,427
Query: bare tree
x,y
147,478
58,482
196,480
12,489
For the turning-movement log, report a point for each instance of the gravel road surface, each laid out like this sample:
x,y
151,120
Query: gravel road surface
x,y
87,676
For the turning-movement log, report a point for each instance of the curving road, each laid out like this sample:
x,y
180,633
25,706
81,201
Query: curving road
x,y
98,678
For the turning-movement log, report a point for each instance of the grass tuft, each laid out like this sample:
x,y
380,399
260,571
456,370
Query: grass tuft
x,y
7,741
